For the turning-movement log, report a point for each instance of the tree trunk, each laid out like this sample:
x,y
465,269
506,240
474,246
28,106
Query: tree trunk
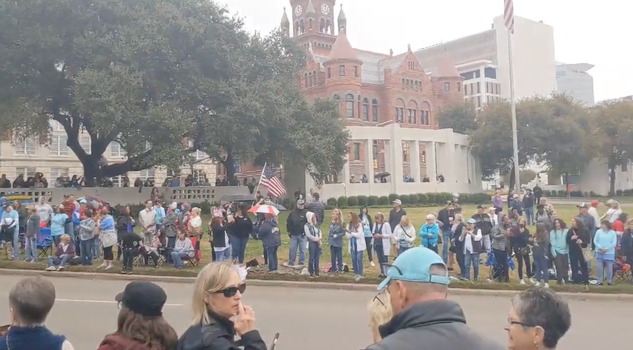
x,y
567,185
611,166
92,173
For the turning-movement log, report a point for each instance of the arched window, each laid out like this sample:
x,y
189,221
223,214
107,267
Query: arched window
x,y
374,110
365,109
349,106
359,109
413,112
301,27
305,79
322,25
425,114
310,24
328,27
399,109
295,29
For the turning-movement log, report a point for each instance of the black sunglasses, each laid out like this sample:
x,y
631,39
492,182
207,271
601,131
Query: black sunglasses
x,y
377,298
231,291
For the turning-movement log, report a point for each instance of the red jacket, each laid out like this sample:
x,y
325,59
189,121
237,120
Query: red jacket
x,y
119,342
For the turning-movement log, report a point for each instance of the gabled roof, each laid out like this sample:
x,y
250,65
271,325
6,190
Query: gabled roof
x,y
310,9
342,49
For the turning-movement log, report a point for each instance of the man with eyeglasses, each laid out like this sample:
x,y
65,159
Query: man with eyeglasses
x,y
423,317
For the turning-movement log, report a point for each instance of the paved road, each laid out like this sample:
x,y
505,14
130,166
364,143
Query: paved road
x,y
307,319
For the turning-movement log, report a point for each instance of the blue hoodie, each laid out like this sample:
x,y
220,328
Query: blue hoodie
x,y
605,240
427,230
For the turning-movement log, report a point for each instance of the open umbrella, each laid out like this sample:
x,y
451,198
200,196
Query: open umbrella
x,y
264,209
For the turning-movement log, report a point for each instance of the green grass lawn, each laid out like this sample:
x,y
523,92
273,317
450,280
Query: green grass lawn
x,y
417,216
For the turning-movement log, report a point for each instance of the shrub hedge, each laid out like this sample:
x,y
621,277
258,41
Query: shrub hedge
x,y
420,200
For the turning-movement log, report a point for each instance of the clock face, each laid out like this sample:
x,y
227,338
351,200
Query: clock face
x,y
298,10
325,9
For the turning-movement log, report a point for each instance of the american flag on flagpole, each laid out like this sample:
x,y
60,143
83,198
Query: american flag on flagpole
x,y
508,15
272,183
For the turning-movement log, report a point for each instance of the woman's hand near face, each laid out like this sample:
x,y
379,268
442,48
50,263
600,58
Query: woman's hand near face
x,y
245,320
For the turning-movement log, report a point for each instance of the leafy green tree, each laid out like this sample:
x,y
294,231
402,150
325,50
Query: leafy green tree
x,y
611,124
117,71
461,117
566,145
265,117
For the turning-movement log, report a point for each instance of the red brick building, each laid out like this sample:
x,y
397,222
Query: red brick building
x,y
372,89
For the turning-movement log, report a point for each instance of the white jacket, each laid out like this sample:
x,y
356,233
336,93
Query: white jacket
x,y
359,234
387,237
407,234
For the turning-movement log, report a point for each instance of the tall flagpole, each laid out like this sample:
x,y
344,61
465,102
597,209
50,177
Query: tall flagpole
x,y
509,22
260,180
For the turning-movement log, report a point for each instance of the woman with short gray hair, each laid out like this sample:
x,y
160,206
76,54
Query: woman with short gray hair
x,y
30,302
538,319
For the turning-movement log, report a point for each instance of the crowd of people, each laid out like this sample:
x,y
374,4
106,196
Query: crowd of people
x,y
410,311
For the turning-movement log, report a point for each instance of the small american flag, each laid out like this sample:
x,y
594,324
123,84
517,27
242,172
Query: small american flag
x,y
272,183
508,15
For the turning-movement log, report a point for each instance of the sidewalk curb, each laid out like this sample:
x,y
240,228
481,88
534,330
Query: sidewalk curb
x,y
298,284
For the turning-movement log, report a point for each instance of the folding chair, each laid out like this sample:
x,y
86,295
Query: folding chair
x,y
622,271
44,243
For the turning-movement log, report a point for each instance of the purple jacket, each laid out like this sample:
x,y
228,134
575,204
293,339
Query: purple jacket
x,y
497,202
69,251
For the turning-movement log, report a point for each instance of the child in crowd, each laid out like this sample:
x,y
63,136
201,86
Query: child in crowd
x,y
86,233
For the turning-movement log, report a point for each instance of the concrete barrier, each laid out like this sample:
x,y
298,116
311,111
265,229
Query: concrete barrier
x,y
131,195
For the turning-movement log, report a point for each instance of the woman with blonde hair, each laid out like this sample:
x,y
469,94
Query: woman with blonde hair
x,y
382,240
217,298
335,241
140,324
380,312
404,234
357,245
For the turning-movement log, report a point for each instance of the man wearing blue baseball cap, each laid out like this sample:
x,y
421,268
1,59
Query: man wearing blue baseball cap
x,y
423,316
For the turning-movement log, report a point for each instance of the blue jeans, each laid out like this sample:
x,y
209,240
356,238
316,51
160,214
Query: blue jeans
x,y
603,266
542,267
402,249
30,248
86,251
336,254
96,248
529,215
239,248
471,259
16,243
177,258
223,255
446,239
357,262
272,258
61,261
297,243
315,254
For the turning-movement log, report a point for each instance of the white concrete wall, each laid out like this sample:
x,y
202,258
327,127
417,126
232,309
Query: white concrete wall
x,y
533,55
447,154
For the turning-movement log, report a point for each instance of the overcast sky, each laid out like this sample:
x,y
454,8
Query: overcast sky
x,y
585,31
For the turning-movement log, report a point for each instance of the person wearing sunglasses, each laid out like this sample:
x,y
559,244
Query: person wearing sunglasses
x,y
423,317
218,312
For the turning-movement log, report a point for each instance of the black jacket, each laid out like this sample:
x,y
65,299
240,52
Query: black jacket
x,y
483,222
296,221
219,335
444,216
432,325
582,234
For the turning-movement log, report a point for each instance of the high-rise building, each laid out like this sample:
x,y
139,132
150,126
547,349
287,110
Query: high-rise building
x,y
575,81
483,60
